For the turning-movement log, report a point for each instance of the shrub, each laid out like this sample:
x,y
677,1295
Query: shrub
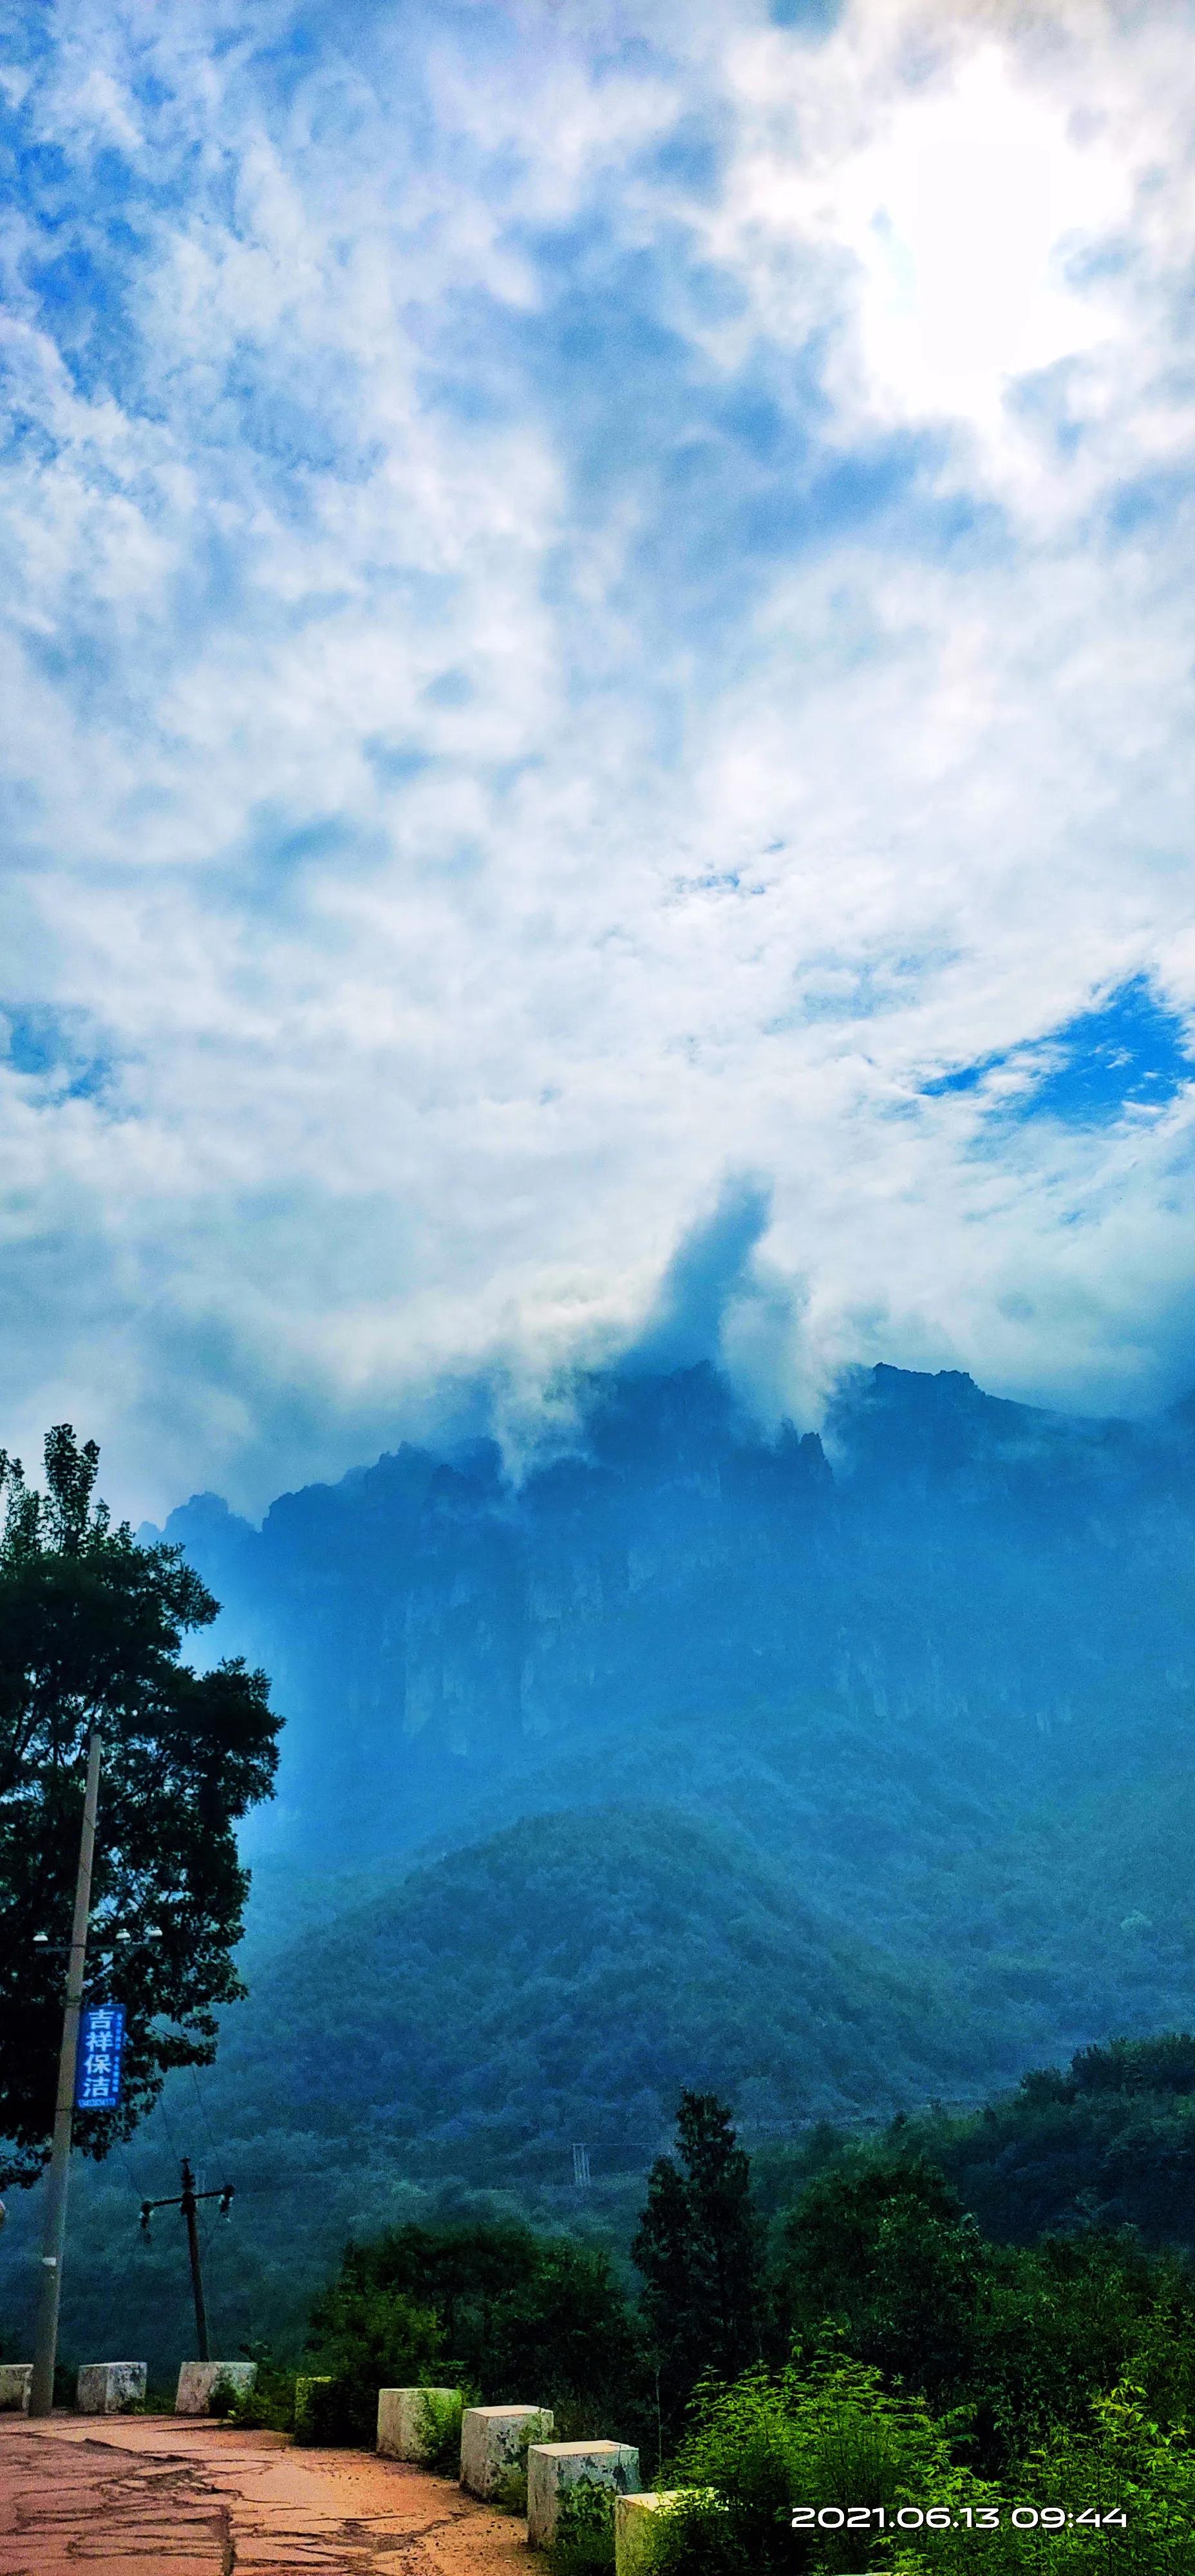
x,y
440,2430
516,2312
364,2336
510,2494
698,2536
269,2405
831,2435
335,2413
584,2534
1122,2462
306,2405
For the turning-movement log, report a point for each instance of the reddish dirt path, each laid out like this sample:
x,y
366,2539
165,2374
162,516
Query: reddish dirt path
x,y
148,2496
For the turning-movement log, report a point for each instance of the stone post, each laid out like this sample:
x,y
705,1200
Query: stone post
x,y
554,2467
110,2387
491,2440
197,2379
634,2534
402,2429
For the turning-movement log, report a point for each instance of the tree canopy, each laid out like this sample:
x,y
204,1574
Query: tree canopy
x,y
699,2249
91,1627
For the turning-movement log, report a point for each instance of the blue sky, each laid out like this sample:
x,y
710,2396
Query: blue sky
x,y
596,626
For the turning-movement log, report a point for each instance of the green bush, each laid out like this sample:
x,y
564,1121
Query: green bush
x,y
364,2336
516,2311
699,2535
269,2405
830,2435
584,2534
306,2405
335,2413
440,2430
835,2437
1122,2462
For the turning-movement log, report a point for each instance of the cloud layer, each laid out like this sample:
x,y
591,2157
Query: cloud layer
x,y
597,627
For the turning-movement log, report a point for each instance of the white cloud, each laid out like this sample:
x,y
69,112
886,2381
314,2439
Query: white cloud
x,y
484,774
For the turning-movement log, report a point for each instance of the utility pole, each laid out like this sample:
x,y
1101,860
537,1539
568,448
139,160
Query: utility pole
x,y
45,2348
193,2251
188,2201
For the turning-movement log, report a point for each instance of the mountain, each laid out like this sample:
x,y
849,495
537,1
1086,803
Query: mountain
x,y
561,1981
992,1599
441,2047
837,1772
454,2037
935,1667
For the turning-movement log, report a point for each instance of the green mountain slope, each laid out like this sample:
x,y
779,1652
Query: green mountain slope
x,y
561,1982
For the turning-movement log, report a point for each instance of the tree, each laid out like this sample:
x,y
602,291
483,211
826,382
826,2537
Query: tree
x,y
513,2310
890,2256
698,2249
91,1624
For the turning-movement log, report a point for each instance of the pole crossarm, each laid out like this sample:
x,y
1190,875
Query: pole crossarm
x,y
225,2194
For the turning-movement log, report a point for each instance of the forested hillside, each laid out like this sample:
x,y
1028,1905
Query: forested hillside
x,y
936,1667
835,1774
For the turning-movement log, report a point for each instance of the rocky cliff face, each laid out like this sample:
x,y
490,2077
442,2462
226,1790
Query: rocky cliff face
x,y
968,1592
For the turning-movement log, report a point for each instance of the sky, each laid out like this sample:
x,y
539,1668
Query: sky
x,y
596,632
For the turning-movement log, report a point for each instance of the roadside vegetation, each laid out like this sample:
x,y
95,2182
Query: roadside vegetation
x,y
864,2345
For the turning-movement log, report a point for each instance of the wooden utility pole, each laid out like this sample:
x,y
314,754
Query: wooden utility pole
x,y
45,2348
188,2200
188,2206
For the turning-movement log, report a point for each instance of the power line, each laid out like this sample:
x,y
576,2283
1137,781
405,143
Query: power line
x,y
198,2091
160,2108
129,2162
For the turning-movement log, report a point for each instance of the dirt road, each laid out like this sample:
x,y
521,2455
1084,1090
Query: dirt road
x,y
151,2496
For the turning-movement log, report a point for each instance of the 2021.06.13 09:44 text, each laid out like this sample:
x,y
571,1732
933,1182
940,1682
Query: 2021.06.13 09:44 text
x,y
963,2517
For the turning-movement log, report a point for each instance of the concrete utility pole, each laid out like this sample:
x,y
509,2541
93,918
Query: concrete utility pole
x,y
45,2348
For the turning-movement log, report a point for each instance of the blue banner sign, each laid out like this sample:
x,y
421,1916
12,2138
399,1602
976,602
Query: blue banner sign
x,y
97,2067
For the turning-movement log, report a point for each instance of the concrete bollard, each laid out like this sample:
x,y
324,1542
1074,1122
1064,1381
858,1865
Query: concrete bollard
x,y
110,2387
198,2379
402,2420
554,2467
491,2440
634,2534
16,2379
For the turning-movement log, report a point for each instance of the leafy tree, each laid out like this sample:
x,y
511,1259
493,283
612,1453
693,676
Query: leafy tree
x,y
1107,2142
365,2335
513,2313
91,1625
698,2247
890,2257
1067,2321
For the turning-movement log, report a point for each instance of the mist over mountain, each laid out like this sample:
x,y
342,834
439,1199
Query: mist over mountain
x,y
950,1598
933,1670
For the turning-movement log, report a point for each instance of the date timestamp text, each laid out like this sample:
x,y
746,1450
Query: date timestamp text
x,y
958,2517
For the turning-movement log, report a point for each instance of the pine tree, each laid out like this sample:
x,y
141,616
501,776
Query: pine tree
x,y
698,2247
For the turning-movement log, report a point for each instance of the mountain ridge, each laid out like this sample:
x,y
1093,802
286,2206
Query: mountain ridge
x,y
977,1583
